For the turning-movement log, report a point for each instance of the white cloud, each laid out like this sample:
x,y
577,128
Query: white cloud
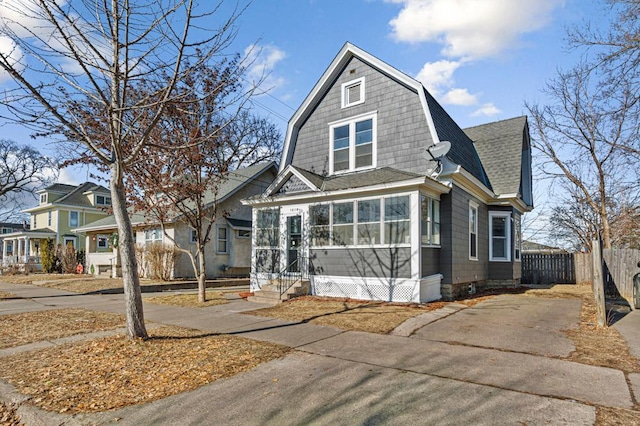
x,y
436,76
262,61
13,53
459,97
69,176
487,110
470,29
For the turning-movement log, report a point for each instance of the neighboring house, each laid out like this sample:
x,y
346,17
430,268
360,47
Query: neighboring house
x,y
531,247
61,208
229,248
9,228
361,203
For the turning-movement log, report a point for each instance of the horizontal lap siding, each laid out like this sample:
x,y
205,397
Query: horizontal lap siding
x,y
362,262
454,260
402,128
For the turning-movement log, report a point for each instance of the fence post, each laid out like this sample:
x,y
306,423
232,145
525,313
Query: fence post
x,y
598,283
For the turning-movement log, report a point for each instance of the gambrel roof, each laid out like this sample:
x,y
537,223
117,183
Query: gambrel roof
x,y
441,126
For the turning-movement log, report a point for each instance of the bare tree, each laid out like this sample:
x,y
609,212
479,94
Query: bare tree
x,y
91,52
582,133
23,170
205,141
615,52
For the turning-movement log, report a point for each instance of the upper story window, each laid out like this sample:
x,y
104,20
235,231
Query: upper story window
x,y
43,198
74,219
49,215
101,200
7,230
35,221
500,236
353,92
473,231
353,144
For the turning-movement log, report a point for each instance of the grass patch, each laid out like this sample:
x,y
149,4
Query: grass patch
x,y
606,416
22,329
115,372
356,315
8,416
188,300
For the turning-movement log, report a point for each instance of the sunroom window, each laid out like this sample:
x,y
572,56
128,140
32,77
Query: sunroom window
x,y
396,220
353,144
343,223
320,225
369,222
430,224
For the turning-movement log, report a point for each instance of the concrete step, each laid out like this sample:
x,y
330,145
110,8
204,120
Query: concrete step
x,y
267,301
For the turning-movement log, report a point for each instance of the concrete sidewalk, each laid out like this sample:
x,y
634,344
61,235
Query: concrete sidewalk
x,y
343,377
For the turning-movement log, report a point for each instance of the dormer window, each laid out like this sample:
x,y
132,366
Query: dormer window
x,y
353,92
43,198
353,144
101,200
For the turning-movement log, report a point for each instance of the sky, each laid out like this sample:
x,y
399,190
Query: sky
x,y
481,59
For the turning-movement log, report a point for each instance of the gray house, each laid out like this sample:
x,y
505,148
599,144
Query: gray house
x,y
380,195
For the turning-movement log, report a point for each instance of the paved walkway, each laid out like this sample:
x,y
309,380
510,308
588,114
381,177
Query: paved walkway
x,y
482,365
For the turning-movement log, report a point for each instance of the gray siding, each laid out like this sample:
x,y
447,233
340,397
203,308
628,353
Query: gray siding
x,y
358,262
455,264
430,261
402,128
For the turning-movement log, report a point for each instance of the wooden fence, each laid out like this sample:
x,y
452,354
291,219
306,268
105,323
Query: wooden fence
x,y
620,267
542,268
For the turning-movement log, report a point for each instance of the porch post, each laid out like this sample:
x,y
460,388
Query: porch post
x,y
4,251
27,249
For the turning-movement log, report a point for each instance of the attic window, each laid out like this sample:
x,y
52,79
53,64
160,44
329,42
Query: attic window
x,y
43,198
353,92
102,200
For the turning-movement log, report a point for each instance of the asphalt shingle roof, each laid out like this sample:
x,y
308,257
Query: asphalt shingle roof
x,y
462,150
499,146
77,197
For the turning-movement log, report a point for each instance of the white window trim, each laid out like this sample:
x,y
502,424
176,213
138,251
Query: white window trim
x,y
507,237
351,121
431,199
332,246
473,205
344,90
517,256
153,239
99,237
244,236
74,226
43,198
218,239
73,240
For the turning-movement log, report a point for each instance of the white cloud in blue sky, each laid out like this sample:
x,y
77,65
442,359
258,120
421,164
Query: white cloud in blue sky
x,y
262,61
470,29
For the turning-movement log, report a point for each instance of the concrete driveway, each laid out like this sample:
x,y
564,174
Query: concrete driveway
x,y
495,363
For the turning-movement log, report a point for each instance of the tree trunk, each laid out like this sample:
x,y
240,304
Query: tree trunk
x,y
202,288
126,245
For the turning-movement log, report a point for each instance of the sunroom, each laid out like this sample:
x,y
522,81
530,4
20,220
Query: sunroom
x,y
373,235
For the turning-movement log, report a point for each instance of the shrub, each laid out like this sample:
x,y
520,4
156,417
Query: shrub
x,y
48,255
160,259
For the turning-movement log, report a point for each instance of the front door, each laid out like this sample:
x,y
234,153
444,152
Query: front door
x,y
294,243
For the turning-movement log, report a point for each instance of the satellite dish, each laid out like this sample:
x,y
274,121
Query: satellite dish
x,y
439,150
435,153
